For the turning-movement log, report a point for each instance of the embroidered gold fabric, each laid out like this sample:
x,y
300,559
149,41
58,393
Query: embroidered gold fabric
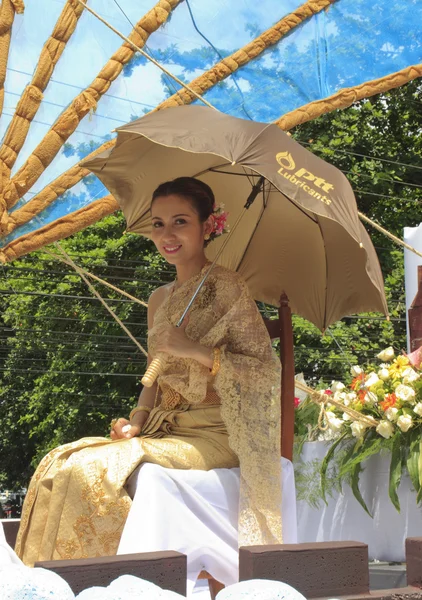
x,y
248,383
171,399
77,504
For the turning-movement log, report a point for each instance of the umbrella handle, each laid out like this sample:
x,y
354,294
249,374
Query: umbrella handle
x,y
154,370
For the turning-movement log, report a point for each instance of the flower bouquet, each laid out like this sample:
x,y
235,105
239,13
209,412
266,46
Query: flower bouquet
x,y
380,409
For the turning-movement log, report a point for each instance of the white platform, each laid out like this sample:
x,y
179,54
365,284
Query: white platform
x,y
344,518
196,513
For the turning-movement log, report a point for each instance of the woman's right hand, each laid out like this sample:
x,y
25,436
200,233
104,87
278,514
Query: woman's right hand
x,y
124,429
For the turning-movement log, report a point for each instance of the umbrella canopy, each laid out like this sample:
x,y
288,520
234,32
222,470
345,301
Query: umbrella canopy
x,y
285,60
301,235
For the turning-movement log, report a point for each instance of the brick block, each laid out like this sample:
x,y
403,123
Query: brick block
x,y
166,569
414,561
11,528
326,569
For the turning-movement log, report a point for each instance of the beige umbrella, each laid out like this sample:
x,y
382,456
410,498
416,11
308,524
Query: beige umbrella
x,y
301,235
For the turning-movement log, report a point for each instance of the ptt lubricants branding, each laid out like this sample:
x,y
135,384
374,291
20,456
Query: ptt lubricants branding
x,y
302,178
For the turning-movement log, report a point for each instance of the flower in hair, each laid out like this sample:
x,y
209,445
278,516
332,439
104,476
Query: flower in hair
x,y
219,216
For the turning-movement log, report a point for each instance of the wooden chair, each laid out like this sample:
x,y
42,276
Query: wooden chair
x,y
282,329
415,317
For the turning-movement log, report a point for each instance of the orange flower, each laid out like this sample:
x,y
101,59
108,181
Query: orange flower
x,y
361,396
357,382
390,400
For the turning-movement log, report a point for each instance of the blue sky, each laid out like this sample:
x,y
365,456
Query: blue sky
x,y
354,41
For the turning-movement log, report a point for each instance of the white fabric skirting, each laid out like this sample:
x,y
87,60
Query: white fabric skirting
x,y
344,519
195,512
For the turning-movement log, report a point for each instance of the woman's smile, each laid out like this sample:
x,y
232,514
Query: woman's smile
x,y
172,249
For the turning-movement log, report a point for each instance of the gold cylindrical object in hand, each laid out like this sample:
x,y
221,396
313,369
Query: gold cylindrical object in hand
x,y
153,370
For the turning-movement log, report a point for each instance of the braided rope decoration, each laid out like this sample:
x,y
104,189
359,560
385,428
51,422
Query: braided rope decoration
x,y
87,100
70,118
7,15
32,96
345,97
207,80
59,229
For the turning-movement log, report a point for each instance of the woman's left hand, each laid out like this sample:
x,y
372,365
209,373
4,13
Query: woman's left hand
x,y
174,341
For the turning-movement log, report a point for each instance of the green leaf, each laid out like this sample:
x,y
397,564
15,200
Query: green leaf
x,y
395,470
412,462
357,469
325,463
371,445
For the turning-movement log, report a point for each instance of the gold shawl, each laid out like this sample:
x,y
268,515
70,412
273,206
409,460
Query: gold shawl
x,y
248,383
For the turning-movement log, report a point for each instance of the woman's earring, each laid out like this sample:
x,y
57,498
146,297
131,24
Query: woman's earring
x,y
207,236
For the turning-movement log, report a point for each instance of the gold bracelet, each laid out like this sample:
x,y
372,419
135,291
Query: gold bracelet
x,y
216,361
139,409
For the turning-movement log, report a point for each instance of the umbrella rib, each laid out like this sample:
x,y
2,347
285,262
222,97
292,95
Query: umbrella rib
x,y
250,237
326,276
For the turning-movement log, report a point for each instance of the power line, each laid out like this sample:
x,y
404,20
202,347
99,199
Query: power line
x,y
64,107
50,125
55,332
71,319
393,162
78,87
30,371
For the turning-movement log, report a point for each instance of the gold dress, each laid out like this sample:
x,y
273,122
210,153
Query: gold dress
x,y
77,504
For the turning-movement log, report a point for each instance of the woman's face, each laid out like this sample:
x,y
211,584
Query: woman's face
x,y
177,231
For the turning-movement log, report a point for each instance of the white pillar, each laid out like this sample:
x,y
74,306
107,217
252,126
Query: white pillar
x,y
413,236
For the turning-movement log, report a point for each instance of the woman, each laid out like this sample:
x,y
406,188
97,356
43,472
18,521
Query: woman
x,y
216,404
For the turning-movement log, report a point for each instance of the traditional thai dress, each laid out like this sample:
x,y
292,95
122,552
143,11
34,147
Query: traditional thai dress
x,y
77,503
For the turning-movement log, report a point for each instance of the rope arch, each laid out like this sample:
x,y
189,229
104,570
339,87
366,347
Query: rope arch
x,y
87,100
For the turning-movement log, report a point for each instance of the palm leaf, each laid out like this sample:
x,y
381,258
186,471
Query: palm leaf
x,y
325,463
395,470
355,487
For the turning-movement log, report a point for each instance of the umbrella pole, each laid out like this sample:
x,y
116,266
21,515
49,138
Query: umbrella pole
x,y
156,366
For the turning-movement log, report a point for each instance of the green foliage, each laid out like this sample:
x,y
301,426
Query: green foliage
x,y
66,368
386,127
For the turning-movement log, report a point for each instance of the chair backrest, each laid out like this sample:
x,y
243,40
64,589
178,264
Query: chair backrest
x,y
415,316
282,328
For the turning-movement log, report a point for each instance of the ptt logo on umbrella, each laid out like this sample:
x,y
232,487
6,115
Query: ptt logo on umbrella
x,y
286,162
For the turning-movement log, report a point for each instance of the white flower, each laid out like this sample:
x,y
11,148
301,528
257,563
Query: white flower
x,y
371,398
334,423
387,354
351,396
372,379
358,429
405,422
339,396
346,417
418,409
409,375
406,393
383,374
337,386
391,413
385,429
355,370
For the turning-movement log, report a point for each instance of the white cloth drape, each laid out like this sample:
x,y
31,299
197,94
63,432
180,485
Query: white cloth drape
x,y
344,518
195,512
413,236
